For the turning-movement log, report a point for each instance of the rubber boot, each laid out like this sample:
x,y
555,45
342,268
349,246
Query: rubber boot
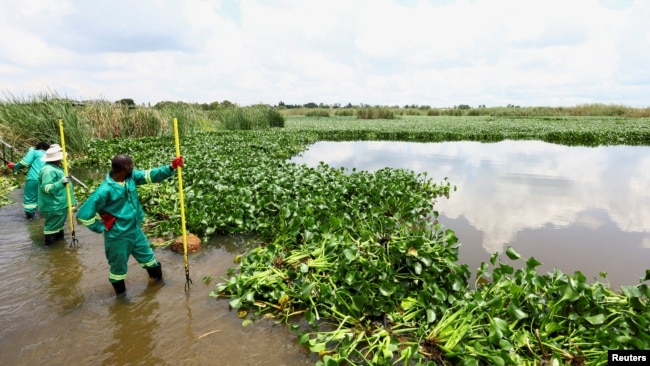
x,y
155,272
59,235
50,239
120,287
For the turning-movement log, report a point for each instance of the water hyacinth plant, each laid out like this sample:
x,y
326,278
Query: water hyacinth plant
x,y
356,264
571,131
7,184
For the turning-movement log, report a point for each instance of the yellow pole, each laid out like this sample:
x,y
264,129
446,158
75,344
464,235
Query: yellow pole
x,y
179,170
74,241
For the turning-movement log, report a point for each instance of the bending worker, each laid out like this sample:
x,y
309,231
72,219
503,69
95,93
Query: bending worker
x,y
32,161
116,201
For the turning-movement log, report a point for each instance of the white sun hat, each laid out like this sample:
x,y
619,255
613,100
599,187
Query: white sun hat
x,y
55,147
54,153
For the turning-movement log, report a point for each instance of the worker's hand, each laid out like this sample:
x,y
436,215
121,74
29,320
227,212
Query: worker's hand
x,y
177,161
65,180
109,220
11,165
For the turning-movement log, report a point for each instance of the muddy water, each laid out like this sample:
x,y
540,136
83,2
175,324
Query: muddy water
x,y
57,306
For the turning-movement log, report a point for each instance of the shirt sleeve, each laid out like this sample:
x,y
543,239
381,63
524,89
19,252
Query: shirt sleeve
x,y
51,184
26,160
88,213
154,175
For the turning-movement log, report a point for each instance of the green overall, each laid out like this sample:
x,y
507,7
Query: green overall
x,y
125,238
52,198
31,161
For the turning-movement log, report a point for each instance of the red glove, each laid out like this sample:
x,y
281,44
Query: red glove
x,y
109,220
177,161
11,165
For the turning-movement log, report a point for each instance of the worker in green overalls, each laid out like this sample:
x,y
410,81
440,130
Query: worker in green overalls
x,y
32,161
52,196
116,202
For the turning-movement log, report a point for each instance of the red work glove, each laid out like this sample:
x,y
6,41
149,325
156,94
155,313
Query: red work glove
x,y
177,161
109,220
11,165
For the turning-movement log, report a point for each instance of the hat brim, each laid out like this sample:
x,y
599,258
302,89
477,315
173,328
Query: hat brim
x,y
56,157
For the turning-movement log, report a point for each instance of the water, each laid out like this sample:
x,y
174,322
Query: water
x,y
573,208
57,306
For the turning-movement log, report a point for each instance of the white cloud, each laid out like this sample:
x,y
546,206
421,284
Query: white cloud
x,y
438,53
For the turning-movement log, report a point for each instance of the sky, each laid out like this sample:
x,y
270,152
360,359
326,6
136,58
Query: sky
x,y
438,53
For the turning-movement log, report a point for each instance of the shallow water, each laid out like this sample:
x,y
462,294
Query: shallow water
x,y
57,306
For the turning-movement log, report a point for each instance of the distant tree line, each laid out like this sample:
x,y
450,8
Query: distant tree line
x,y
349,109
312,105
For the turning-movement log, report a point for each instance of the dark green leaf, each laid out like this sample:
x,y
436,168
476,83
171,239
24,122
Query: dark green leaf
x,y
532,263
510,252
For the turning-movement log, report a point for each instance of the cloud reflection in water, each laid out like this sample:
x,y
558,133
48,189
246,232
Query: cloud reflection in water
x,y
510,189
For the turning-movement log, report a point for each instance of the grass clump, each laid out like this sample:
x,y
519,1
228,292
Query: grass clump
x,y
7,184
251,118
375,113
318,113
347,112
190,117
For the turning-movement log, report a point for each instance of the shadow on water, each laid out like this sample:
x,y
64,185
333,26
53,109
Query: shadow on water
x,y
57,306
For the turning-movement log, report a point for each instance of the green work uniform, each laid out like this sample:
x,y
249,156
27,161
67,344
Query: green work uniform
x,y
52,198
31,161
125,238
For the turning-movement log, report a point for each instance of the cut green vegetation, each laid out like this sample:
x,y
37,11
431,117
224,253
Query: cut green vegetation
x,y
357,265
7,184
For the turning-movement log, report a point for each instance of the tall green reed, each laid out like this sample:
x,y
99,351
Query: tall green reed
x,y
375,113
112,121
26,121
37,119
190,117
251,118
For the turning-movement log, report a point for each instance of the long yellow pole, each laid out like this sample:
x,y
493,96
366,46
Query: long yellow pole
x,y
74,240
179,171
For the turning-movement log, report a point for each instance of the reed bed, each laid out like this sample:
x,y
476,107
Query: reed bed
x,y
25,121
37,119
253,118
584,110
